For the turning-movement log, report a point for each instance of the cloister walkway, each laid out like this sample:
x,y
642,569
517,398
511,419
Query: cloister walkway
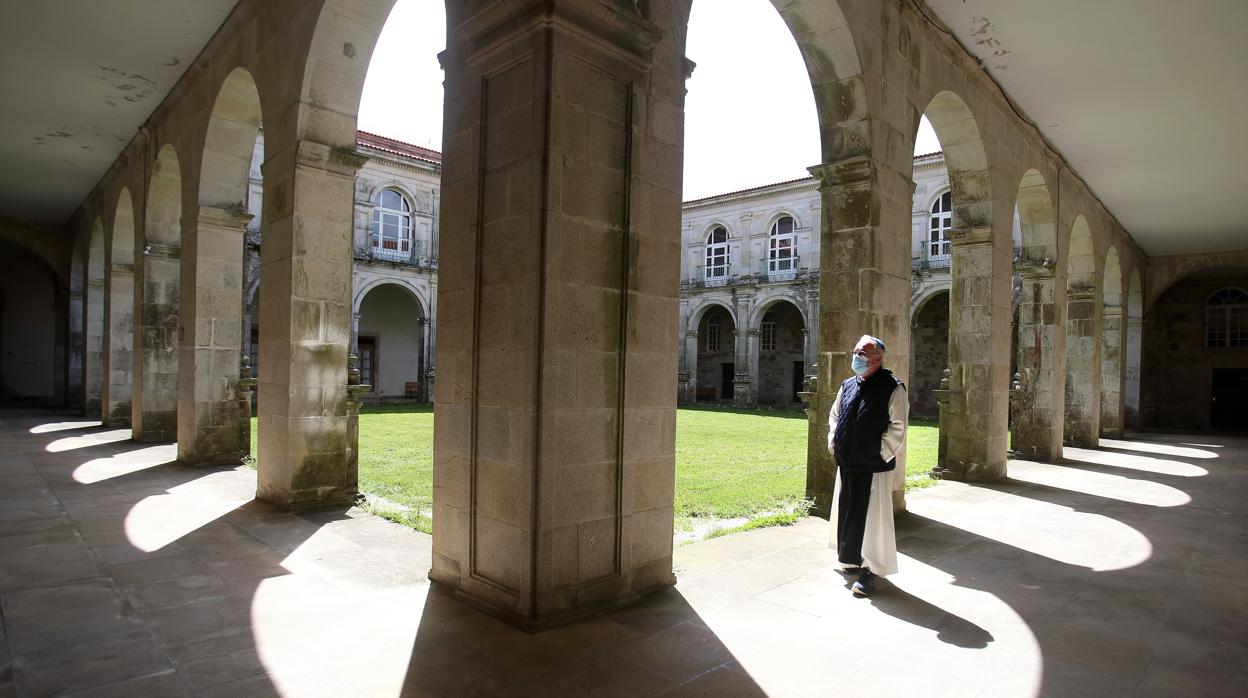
x,y
1122,571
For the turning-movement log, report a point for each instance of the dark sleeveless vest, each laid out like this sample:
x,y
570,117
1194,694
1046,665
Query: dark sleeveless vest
x,y
863,420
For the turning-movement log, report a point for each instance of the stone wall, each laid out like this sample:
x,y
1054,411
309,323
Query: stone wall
x,y
775,368
710,362
930,339
1177,382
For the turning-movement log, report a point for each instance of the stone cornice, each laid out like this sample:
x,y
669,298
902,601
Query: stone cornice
x,y
158,250
233,217
966,237
340,161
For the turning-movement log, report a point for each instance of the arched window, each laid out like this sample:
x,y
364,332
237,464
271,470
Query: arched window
x,y
941,222
782,251
767,334
1226,319
392,226
716,269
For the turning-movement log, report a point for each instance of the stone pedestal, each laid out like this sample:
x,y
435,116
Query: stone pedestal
x,y
1037,426
974,419
156,400
211,341
554,459
306,442
1083,358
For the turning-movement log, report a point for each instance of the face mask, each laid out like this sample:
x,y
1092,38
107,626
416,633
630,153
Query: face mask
x,y
860,365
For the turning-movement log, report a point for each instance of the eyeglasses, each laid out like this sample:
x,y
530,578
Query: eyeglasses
x,y
860,352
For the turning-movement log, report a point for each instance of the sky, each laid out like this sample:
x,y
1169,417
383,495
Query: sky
x,y
749,114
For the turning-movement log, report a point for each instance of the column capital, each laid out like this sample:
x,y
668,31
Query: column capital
x,y
856,172
1081,293
161,251
122,269
339,161
1036,269
232,217
966,237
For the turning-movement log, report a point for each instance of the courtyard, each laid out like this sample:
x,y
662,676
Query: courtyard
x,y
1113,573
735,469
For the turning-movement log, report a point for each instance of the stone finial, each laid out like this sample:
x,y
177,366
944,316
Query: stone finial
x,y
1018,382
944,379
244,367
353,369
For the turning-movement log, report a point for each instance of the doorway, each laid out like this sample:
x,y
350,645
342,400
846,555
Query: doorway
x,y
368,360
1228,408
727,372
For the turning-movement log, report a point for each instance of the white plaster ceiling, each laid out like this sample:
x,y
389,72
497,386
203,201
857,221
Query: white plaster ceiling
x,y
78,79
1147,100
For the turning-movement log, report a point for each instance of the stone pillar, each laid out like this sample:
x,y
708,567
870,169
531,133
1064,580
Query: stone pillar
x,y
93,356
211,339
864,288
554,454
690,392
431,331
1037,428
977,419
305,443
1083,352
744,386
1111,372
155,410
119,344
1131,377
75,347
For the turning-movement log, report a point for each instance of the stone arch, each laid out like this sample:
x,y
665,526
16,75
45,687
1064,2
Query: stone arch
x,y
396,353
782,213
716,352
1111,346
926,296
32,340
1083,345
700,311
756,315
119,309
710,228
966,159
1133,350
1034,203
422,302
230,143
778,352
155,413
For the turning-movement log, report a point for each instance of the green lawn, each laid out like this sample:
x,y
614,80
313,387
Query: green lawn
x,y
729,463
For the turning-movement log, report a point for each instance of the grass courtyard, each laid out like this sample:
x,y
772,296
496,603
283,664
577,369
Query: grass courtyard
x,y
734,468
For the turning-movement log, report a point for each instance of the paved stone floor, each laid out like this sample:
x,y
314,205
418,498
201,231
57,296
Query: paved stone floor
x,y
1123,571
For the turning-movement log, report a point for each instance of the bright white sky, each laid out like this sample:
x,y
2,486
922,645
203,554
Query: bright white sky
x,y
750,114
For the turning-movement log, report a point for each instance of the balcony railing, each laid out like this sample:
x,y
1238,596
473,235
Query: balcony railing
x,y
790,270
782,269
938,262
416,254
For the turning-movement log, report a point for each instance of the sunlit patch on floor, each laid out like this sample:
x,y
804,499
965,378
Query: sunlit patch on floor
x,y
1146,464
98,438
1100,484
1160,449
64,426
159,520
100,469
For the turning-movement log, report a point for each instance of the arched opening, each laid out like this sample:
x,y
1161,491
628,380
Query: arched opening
x,y
1134,344
213,407
120,311
929,355
1083,346
1195,354
781,354
716,362
30,340
156,416
1112,330
93,322
972,440
390,341
1034,433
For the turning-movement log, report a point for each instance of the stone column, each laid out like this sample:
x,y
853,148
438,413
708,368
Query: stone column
x,y
156,406
1131,377
211,339
979,361
75,347
119,344
864,288
93,358
1037,428
305,443
745,383
691,366
554,455
1111,372
1083,359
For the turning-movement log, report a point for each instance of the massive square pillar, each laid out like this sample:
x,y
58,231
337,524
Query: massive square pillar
x,y
118,344
1083,359
307,438
558,302
1112,414
212,429
156,402
1037,427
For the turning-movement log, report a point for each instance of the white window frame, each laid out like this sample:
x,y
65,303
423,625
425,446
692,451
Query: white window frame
x,y
782,250
712,335
767,332
1226,319
939,223
715,270
392,227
